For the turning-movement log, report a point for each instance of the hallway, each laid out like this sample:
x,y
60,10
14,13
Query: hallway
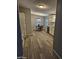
x,y
37,17
41,45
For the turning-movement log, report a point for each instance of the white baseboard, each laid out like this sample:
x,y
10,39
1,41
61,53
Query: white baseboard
x,y
56,54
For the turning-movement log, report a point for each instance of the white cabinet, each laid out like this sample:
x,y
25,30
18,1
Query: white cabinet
x,y
51,23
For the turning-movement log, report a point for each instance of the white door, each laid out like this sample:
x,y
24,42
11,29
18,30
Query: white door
x,y
23,26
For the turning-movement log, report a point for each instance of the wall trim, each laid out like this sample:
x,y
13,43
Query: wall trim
x,y
56,54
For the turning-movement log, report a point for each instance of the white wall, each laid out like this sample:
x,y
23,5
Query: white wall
x,y
45,23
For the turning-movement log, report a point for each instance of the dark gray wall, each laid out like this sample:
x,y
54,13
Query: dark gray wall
x,y
19,38
58,29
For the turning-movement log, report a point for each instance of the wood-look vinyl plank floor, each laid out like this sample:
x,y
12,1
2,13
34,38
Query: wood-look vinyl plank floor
x,y
41,45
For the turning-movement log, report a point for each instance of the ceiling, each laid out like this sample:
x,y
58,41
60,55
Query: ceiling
x,y
51,6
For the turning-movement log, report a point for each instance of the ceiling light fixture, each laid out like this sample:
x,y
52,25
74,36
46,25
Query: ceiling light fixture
x,y
41,5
